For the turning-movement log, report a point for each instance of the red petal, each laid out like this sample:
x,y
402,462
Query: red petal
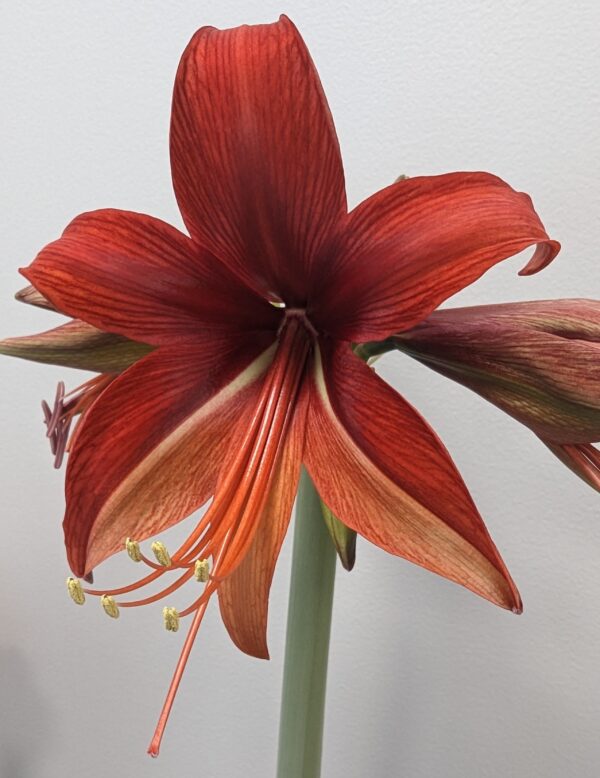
x,y
385,473
538,361
410,246
244,595
134,275
256,164
148,451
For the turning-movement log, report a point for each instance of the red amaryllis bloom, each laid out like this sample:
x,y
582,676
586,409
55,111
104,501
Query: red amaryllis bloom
x,y
252,320
538,361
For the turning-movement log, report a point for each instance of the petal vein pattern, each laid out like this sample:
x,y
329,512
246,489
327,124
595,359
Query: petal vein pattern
x,y
410,246
250,116
134,275
413,502
149,450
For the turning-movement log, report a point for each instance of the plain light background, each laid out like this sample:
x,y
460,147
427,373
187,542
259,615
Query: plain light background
x,y
426,680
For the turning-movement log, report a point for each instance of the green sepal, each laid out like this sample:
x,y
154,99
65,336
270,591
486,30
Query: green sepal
x,y
344,538
79,345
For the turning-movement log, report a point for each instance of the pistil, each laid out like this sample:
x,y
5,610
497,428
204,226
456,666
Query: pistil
x,y
227,529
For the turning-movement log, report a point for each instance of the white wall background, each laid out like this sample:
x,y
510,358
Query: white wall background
x,y
426,681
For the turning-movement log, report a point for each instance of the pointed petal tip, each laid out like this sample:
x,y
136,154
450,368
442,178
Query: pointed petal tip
x,y
515,604
30,296
255,650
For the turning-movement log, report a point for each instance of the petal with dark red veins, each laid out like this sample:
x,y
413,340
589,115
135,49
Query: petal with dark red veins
x,y
244,595
412,245
148,452
385,473
538,361
79,345
137,276
255,159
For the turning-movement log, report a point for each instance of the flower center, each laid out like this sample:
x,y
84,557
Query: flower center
x,y
228,527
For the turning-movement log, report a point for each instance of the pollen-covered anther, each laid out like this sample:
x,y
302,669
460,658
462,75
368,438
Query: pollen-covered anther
x,y
171,619
75,590
110,606
202,570
133,550
160,552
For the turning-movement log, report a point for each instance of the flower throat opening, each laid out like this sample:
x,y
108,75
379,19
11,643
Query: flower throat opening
x,y
227,529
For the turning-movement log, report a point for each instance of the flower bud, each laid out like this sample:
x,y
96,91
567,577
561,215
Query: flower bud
x,y
537,361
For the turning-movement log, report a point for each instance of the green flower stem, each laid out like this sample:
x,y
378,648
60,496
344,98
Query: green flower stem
x,y
307,640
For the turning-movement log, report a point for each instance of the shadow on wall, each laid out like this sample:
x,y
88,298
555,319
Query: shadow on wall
x,y
26,718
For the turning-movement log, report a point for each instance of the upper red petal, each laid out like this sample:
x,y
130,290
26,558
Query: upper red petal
x,y
255,159
149,450
412,245
384,472
137,276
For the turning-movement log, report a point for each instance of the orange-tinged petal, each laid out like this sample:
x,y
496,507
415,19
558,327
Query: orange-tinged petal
x,y
244,595
410,246
255,159
384,472
134,275
148,452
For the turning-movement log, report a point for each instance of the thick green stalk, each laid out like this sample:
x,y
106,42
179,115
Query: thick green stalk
x,y
307,640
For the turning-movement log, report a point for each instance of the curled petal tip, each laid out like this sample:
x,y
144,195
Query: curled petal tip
x,y
542,257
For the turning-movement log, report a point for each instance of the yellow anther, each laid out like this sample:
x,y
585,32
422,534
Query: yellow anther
x,y
171,619
110,606
161,553
133,549
202,570
76,590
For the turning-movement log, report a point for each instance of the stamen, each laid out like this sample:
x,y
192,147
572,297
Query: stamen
x,y
75,590
110,606
202,570
162,555
171,619
58,407
177,584
66,407
228,527
133,549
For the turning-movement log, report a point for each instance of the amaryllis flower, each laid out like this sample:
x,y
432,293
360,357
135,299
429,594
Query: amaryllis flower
x,y
252,320
538,361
